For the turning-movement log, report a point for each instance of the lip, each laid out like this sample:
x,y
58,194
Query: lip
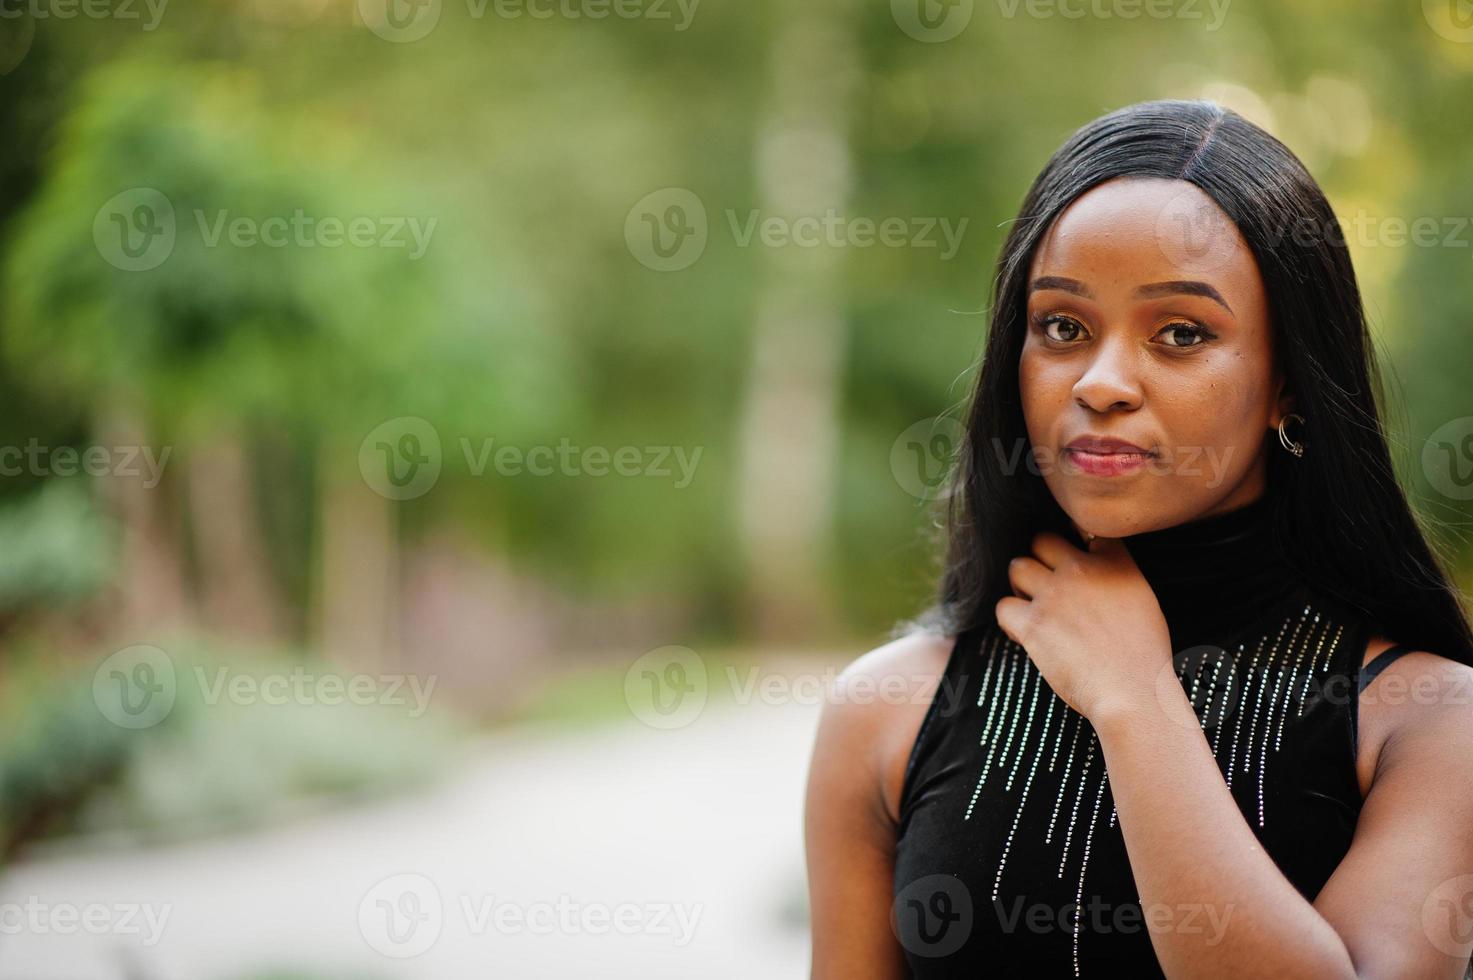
x,y
1106,456
1105,445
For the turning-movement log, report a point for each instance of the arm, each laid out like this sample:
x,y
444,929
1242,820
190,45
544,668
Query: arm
x,y
859,755
1402,898
1401,902
1214,901
1384,913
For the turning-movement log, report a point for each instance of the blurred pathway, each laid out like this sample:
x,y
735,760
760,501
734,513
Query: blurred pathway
x,y
646,853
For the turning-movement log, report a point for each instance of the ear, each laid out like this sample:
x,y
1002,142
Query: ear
x,y
1283,401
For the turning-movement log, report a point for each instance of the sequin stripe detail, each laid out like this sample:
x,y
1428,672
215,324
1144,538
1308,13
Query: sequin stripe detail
x,y
1227,697
1064,781
1268,666
1196,681
1038,686
1084,863
1059,739
1004,676
1053,700
1242,708
1294,674
1089,758
1009,714
1027,787
1007,700
1308,677
991,658
1278,668
1209,700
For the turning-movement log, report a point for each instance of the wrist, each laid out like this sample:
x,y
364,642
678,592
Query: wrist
x,y
1164,702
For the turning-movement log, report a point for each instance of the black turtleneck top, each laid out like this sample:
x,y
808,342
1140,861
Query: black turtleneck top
x,y
1009,857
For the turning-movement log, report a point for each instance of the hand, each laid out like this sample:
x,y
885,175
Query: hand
x,y
1090,623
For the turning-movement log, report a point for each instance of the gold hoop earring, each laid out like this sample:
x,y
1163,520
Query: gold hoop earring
x,y
1297,448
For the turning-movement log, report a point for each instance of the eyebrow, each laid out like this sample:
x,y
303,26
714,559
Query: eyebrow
x,y
1174,287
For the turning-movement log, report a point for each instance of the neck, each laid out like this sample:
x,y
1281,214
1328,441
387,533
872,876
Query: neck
x,y
1215,575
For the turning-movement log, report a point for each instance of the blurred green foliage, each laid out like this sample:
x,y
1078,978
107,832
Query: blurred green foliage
x,y
528,320
214,763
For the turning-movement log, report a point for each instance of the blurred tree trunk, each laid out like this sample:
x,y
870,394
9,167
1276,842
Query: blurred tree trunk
x,y
790,420
153,598
358,567
238,594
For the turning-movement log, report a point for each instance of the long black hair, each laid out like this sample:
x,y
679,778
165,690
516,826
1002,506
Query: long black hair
x,y
1344,519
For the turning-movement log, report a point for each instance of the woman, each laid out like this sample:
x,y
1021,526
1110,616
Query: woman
x,y
1139,735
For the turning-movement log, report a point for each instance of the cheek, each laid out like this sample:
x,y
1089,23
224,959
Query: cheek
x,y
1222,412
1037,396
1044,385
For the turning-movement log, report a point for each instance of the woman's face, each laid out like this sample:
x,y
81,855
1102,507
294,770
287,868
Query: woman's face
x,y
1148,322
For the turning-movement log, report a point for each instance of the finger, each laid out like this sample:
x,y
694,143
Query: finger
x,y
1027,575
1053,549
1013,615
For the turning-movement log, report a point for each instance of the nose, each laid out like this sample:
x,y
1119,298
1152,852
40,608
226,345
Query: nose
x,y
1109,380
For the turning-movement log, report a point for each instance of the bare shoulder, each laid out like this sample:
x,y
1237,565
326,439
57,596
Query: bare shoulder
x,y
1421,695
876,705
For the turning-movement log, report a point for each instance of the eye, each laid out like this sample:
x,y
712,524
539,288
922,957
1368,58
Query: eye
x,y
1181,330
1069,327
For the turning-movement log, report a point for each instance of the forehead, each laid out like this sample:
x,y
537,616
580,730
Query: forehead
x,y
1145,229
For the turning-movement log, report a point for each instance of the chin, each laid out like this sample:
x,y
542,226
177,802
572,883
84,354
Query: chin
x,y
1114,518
